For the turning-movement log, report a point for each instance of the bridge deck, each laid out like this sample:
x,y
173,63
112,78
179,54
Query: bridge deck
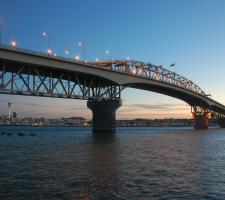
x,y
120,73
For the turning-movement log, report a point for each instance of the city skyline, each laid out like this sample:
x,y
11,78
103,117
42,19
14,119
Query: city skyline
x,y
145,36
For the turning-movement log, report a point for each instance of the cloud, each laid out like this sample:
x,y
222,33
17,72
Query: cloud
x,y
158,110
159,106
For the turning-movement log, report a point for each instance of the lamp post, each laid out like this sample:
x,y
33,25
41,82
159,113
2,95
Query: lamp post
x,y
0,32
13,43
1,24
66,53
80,44
49,50
77,57
107,52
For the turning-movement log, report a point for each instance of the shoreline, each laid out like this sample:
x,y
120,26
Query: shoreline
x,y
61,126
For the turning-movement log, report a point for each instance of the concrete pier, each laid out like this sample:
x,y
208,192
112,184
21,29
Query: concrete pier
x,y
201,121
221,122
104,115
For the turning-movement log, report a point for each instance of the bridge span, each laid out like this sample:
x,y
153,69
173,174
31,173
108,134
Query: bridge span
x,y
24,72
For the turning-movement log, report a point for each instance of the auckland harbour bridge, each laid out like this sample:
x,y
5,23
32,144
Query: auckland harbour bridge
x,y
24,72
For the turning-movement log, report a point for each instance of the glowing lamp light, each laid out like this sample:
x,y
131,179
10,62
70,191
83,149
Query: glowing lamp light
x,y
79,44
107,51
85,61
49,51
13,43
44,34
96,60
209,115
77,57
66,52
55,54
133,71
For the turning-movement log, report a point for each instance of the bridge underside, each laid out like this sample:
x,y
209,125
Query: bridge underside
x,y
200,109
189,99
21,79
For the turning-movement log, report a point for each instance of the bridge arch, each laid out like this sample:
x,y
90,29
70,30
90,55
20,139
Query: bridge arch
x,y
178,93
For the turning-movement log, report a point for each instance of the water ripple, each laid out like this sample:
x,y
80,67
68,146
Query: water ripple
x,y
136,163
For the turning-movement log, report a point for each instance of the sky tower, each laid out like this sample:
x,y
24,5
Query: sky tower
x,y
9,108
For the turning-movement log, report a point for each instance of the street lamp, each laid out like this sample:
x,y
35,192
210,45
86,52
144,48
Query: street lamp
x,y
133,71
107,52
1,23
49,51
46,35
77,57
66,52
80,44
13,43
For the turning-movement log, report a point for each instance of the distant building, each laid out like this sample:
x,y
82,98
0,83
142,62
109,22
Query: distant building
x,y
14,115
78,121
156,122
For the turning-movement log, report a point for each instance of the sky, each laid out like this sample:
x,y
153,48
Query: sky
x,y
190,33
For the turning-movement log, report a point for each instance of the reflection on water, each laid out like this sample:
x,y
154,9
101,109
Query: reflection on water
x,y
135,163
102,167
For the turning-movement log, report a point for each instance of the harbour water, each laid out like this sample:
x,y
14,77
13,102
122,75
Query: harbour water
x,y
136,163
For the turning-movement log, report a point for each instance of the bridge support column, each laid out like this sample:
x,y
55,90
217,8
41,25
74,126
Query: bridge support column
x,y
104,115
201,121
201,118
221,122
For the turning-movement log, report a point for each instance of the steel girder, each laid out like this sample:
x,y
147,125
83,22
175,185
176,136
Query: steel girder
x,y
199,110
27,80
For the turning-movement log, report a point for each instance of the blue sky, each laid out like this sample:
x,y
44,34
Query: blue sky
x,y
190,33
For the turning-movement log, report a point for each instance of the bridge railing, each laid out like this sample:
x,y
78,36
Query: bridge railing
x,y
150,71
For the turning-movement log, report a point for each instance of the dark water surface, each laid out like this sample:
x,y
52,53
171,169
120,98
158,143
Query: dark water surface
x,y
136,163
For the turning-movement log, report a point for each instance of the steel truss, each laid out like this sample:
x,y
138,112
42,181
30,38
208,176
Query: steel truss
x,y
28,80
147,70
199,110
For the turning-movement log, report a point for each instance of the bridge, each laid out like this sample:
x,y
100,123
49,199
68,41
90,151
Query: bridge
x,y
25,72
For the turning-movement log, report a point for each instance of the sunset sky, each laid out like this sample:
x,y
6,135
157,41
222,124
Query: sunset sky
x,y
190,33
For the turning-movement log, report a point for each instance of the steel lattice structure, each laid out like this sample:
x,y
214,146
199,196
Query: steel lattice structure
x,y
30,80
150,71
